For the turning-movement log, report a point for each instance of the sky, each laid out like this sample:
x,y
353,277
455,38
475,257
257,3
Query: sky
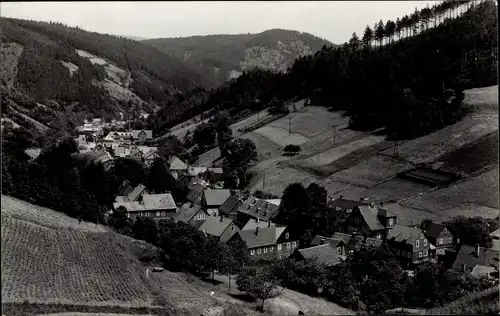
x,y
331,20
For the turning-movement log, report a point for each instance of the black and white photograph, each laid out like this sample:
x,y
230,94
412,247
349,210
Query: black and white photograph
x,y
233,158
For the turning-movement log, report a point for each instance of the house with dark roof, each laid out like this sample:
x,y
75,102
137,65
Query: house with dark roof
x,y
125,188
369,221
134,195
191,214
255,208
483,260
155,206
195,195
324,254
440,238
213,199
230,207
221,227
149,157
409,245
337,244
142,134
345,205
269,243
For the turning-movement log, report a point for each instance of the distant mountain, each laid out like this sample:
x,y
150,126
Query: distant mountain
x,y
224,57
61,68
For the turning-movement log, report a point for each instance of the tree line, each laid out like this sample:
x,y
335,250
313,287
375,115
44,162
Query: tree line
x,y
410,88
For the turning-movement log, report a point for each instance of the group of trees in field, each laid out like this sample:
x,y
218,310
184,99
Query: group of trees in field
x,y
410,87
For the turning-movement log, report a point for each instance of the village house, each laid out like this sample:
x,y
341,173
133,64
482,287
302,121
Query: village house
x,y
212,199
191,214
230,207
195,194
409,245
177,167
221,227
440,238
155,206
149,157
134,195
337,244
268,243
121,152
324,254
478,261
255,208
136,154
370,221
345,205
142,135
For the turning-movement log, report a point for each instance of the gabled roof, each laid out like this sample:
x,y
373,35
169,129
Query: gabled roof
x,y
346,238
265,237
258,208
433,230
370,216
177,164
125,189
138,190
276,202
186,212
195,194
151,154
216,225
325,254
467,255
216,197
159,201
495,234
230,206
405,234
480,270
254,223
137,132
317,240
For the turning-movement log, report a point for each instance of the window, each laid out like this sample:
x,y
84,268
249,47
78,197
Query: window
x,y
339,250
293,244
445,230
158,214
287,245
417,243
279,247
426,253
265,249
440,241
409,254
287,235
391,221
425,242
258,251
252,252
271,249
420,254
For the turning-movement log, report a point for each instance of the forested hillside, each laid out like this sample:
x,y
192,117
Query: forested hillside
x,y
71,65
410,87
224,57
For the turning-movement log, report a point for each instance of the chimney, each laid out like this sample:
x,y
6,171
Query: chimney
x,y
256,231
322,241
478,249
222,218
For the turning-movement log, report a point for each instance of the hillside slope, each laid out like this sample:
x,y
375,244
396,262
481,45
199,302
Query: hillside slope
x,y
51,263
102,74
225,56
